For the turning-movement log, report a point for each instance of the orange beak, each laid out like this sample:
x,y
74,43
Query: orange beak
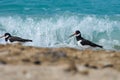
x,y
2,36
72,35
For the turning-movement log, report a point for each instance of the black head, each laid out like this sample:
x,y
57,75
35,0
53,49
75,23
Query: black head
x,y
77,32
7,35
78,35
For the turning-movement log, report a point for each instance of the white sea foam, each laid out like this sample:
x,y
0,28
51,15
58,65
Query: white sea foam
x,y
55,31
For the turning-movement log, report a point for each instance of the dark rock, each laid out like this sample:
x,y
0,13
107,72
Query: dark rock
x,y
37,62
3,62
108,65
90,66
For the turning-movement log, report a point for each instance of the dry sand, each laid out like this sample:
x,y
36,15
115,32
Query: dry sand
x,y
19,62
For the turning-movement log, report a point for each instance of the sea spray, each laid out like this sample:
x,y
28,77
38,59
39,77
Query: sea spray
x,y
54,31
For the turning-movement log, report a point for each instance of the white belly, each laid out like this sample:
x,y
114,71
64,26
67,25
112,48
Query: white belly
x,y
82,46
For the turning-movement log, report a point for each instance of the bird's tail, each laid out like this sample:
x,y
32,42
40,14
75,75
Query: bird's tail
x,y
27,40
96,45
99,46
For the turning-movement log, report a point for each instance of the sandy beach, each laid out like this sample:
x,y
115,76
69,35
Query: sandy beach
x,y
19,62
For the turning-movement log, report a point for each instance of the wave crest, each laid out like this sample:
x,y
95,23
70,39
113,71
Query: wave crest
x,y
54,31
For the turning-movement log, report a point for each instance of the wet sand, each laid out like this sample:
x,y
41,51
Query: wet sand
x,y
19,62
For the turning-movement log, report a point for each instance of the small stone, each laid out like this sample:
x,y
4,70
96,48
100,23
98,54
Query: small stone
x,y
37,62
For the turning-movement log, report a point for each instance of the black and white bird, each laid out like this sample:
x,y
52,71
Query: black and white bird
x,y
10,38
83,42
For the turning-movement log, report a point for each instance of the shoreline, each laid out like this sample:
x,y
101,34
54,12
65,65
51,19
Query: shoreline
x,y
81,63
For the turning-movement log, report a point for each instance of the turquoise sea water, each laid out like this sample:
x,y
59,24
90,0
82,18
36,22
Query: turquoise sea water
x,y
50,22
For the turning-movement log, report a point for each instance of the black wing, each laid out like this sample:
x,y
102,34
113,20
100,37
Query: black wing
x,y
87,42
14,38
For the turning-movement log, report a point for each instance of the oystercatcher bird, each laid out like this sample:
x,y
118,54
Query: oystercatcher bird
x,y
14,38
83,42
